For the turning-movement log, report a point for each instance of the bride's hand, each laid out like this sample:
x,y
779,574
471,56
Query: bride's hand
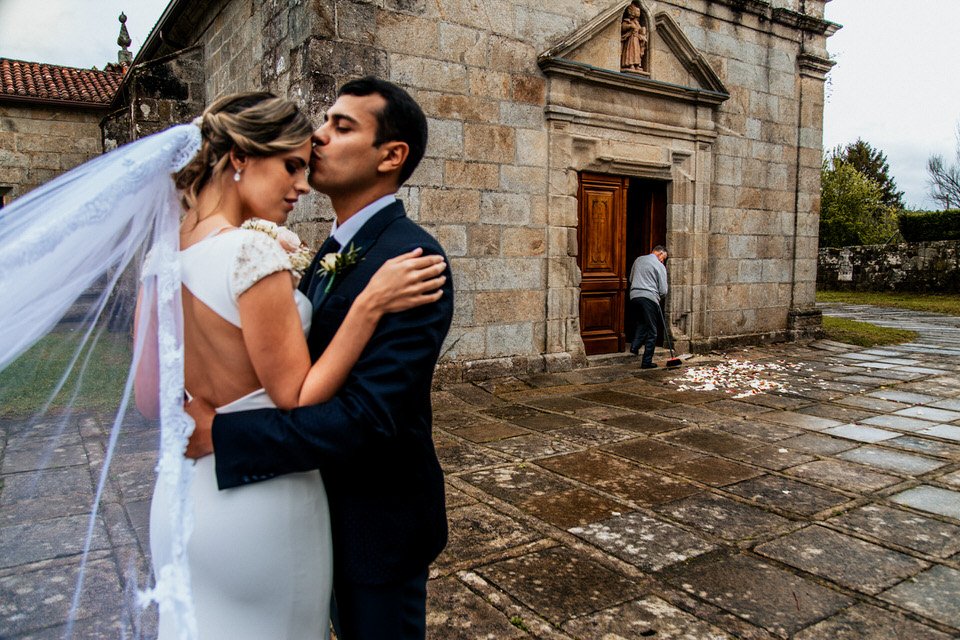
x,y
409,280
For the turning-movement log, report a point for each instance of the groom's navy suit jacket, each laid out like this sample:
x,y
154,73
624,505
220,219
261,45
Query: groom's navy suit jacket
x,y
372,442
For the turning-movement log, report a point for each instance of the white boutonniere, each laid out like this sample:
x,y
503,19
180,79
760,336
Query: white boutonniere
x,y
333,264
300,254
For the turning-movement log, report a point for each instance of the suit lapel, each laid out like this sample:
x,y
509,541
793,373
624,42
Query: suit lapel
x,y
362,241
315,280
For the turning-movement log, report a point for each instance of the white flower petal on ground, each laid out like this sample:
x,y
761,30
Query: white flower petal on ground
x,y
741,378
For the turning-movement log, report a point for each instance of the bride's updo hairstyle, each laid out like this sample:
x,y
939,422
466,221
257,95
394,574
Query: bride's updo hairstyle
x,y
256,124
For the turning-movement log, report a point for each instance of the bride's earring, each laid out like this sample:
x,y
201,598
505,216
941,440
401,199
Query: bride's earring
x,y
236,176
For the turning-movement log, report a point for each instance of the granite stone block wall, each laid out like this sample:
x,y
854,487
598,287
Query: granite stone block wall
x,y
765,194
158,94
38,143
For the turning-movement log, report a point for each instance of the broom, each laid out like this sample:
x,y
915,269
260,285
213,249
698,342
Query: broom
x,y
674,361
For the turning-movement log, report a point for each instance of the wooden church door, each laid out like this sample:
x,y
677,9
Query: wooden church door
x,y
619,219
601,238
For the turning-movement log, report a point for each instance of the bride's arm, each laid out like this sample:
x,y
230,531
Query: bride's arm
x,y
274,338
402,283
146,385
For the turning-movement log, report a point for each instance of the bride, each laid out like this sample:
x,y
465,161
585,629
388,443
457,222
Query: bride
x,y
218,319
259,557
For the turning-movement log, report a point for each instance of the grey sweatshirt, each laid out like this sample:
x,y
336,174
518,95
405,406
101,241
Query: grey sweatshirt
x,y
648,278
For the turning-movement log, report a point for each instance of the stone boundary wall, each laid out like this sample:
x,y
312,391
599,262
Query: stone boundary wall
x,y
927,267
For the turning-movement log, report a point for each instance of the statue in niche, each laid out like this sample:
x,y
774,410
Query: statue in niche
x,y
633,40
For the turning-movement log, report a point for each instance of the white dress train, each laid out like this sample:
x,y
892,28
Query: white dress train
x,y
260,556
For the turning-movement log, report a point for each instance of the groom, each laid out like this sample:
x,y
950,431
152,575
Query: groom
x,y
372,442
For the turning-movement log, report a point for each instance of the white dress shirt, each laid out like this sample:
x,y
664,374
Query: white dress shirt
x,y
344,233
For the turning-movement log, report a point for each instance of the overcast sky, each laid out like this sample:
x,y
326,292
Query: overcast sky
x,y
895,83
74,33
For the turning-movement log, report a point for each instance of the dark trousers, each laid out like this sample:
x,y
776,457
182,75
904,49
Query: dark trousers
x,y
647,313
377,612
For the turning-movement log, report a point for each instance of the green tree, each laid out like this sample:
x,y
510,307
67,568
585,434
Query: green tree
x,y
852,211
873,164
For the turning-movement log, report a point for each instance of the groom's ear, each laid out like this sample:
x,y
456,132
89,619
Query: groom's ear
x,y
392,156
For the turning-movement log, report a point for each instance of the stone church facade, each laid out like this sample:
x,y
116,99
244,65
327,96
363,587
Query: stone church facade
x,y
566,138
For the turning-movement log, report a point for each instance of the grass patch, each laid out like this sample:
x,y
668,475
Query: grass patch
x,y
936,303
27,383
518,622
863,334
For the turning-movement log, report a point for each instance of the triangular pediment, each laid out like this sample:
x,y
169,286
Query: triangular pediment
x,y
672,64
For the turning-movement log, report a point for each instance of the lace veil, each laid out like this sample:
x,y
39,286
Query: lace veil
x,y
75,254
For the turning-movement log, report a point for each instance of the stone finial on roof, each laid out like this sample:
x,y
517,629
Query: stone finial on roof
x,y
124,57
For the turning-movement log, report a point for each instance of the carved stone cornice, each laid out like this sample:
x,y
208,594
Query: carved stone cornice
x,y
781,15
561,114
688,55
814,66
632,167
633,83
756,7
585,33
804,22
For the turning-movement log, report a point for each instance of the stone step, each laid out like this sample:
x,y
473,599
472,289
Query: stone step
x,y
604,359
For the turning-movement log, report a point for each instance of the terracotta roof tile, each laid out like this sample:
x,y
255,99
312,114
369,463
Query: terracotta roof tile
x,y
39,81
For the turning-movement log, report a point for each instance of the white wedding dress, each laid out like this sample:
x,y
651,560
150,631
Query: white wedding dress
x,y
260,556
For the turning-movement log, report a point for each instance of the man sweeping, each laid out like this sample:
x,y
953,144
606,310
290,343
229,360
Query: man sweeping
x,y
648,284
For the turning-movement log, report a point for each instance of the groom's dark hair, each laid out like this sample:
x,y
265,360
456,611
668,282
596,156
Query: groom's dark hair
x,y
400,119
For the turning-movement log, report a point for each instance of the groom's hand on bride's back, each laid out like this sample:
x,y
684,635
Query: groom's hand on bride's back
x,y
201,440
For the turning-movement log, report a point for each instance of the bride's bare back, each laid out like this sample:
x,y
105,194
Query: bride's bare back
x,y
217,366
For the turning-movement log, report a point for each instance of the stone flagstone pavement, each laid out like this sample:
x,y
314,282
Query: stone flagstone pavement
x,y
608,502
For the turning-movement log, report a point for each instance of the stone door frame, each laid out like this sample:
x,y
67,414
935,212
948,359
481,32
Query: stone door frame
x,y
633,125
686,172
608,143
